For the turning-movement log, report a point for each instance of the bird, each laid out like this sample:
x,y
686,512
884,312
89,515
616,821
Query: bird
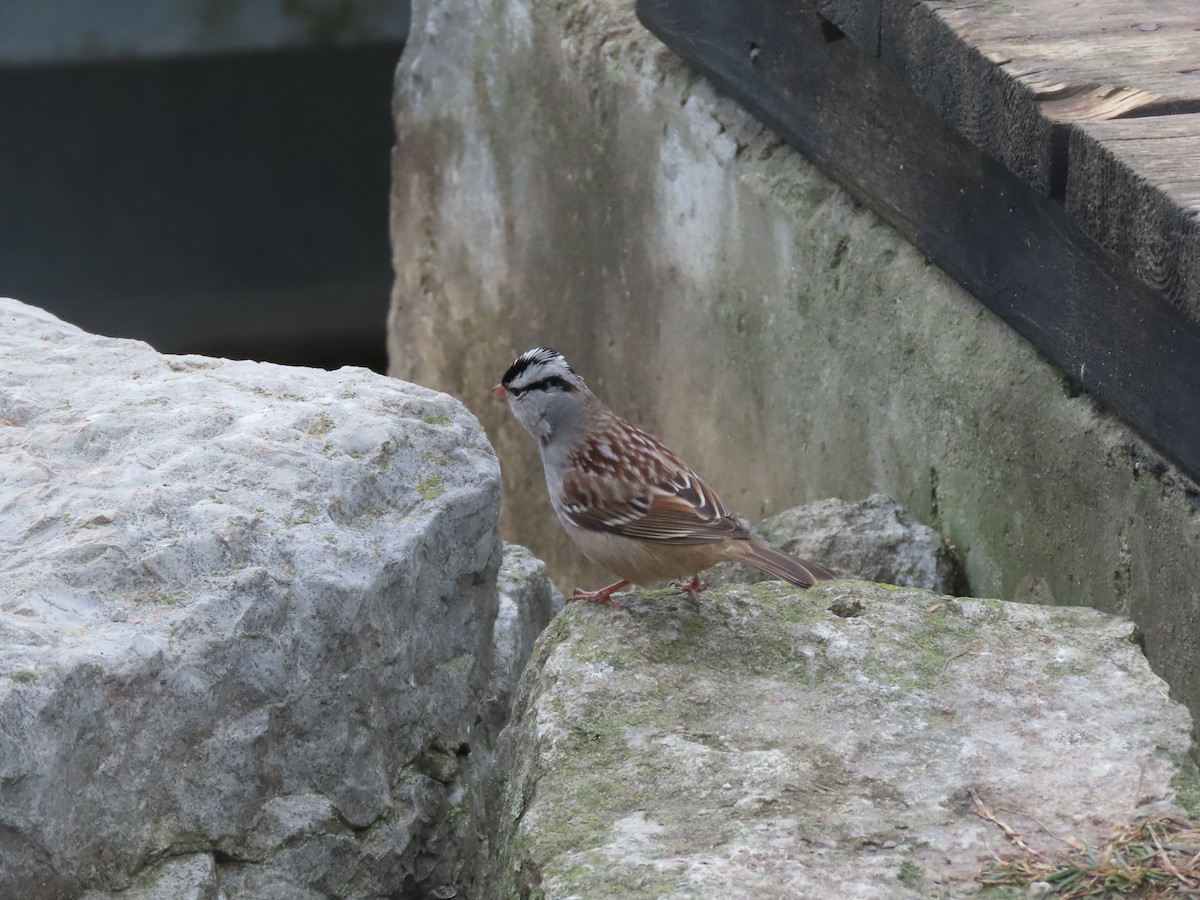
x,y
624,498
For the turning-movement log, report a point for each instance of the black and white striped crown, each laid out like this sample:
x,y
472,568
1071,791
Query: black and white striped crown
x,y
541,366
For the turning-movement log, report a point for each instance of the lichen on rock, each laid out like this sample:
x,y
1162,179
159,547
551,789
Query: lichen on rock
x,y
760,745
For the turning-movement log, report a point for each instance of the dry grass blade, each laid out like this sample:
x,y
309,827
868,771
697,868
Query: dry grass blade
x,y
984,812
1149,857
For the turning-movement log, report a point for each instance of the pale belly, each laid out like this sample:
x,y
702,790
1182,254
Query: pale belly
x,y
642,562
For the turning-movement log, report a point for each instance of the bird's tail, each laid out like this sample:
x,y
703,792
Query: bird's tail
x,y
800,572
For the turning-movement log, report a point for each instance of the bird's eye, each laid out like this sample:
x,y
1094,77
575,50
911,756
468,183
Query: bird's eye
x,y
515,391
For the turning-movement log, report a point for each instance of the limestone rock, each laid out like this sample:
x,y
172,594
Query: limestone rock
x,y
246,620
191,877
528,600
875,539
758,745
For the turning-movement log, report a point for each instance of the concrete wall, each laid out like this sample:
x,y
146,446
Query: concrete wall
x,y
560,178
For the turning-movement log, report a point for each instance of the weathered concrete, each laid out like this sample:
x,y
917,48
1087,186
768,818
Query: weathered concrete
x,y
560,178
758,745
251,624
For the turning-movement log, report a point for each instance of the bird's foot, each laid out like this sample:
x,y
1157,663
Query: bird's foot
x,y
604,595
691,588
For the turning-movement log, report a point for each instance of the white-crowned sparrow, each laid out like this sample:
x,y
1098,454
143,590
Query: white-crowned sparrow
x,y
627,501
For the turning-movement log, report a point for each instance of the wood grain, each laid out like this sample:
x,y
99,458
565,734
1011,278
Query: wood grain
x,y
1134,186
1008,74
1033,84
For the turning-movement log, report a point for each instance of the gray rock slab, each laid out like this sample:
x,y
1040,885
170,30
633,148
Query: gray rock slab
x,y
191,877
247,612
528,601
875,539
758,745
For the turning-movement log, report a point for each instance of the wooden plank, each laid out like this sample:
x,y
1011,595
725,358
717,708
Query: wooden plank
x,y
972,93
1015,78
1005,243
1134,186
1007,73
1089,49
857,18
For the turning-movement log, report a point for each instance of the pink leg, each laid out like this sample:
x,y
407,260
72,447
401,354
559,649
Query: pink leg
x,y
604,595
691,588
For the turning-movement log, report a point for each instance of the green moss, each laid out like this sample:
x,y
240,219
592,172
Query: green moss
x,y
23,677
1186,784
320,425
307,516
383,459
430,458
847,608
158,598
698,635
910,874
441,420
576,819
1076,666
557,631
431,488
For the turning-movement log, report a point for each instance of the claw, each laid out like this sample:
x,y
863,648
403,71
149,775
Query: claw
x,y
691,588
604,595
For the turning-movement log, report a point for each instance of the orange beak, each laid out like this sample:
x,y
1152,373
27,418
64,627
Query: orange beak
x,y
500,392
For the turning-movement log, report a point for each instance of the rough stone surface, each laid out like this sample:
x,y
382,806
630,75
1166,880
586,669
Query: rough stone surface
x,y
874,539
758,745
560,178
191,877
247,620
528,601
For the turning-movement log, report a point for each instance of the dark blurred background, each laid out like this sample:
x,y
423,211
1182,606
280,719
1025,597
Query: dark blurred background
x,y
210,176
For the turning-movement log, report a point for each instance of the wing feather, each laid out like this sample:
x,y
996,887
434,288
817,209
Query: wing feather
x,y
649,495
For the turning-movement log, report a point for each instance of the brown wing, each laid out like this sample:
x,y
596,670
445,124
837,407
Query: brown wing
x,y
653,497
